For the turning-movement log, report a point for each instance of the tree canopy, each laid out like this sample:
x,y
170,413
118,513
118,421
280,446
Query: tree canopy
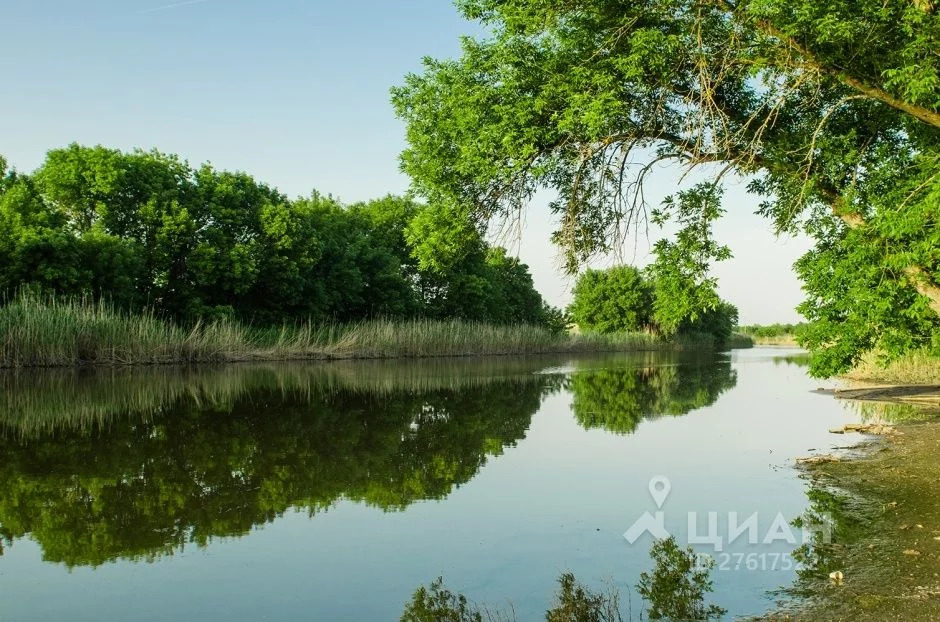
x,y
617,299
831,111
146,229
623,299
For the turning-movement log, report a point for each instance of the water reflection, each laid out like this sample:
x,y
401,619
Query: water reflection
x,y
35,403
799,359
892,412
220,459
676,589
136,465
618,399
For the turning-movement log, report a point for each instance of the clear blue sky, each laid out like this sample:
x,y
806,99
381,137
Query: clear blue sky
x,y
294,92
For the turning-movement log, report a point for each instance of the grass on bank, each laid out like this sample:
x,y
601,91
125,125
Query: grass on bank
x,y
38,331
770,334
739,341
919,367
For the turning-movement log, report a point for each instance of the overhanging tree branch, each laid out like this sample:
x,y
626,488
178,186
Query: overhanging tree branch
x,y
812,62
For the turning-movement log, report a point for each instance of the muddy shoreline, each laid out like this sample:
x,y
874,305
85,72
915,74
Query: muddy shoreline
x,y
883,561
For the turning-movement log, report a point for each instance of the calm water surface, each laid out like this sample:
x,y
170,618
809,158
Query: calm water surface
x,y
332,491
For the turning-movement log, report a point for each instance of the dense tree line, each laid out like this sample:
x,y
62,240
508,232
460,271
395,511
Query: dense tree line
x,y
829,110
146,229
624,298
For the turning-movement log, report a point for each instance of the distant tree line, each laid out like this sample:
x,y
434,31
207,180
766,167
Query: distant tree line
x,y
146,229
624,298
771,330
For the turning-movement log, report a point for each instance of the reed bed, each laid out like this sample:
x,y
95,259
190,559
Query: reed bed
x,y
739,341
920,367
38,331
778,340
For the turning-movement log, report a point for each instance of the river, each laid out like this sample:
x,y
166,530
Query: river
x,y
331,491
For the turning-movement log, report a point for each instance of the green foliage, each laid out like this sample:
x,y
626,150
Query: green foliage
x,y
661,301
769,330
614,300
484,284
145,229
556,320
576,603
718,322
438,604
676,588
854,308
831,110
440,236
686,296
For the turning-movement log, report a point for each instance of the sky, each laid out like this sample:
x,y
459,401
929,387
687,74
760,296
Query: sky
x,y
295,92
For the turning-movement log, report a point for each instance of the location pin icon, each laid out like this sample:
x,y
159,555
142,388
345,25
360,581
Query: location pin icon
x,y
659,489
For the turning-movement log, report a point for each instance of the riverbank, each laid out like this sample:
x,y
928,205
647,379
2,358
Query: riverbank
x,y
884,559
45,333
780,340
771,334
918,367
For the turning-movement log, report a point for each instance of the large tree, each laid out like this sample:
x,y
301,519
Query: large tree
x,y
615,300
830,110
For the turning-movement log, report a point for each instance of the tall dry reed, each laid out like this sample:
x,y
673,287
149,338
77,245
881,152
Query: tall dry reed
x,y
40,331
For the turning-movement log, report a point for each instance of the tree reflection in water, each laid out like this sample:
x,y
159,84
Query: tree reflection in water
x,y
137,464
618,399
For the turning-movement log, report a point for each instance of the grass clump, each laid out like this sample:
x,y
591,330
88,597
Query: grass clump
x,y
919,367
40,331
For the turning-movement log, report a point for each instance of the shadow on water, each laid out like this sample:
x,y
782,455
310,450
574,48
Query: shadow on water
x,y
136,464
